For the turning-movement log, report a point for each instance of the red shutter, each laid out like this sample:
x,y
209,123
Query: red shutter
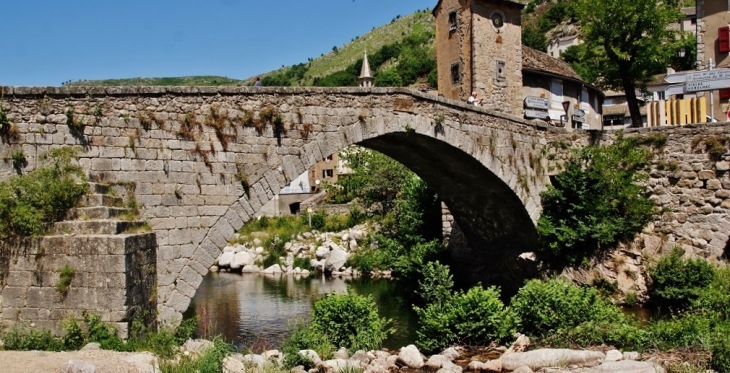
x,y
723,37
725,94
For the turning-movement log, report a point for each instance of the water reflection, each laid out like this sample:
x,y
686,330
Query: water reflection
x,y
261,310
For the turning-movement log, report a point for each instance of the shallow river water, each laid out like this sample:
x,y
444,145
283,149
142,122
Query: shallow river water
x,y
259,311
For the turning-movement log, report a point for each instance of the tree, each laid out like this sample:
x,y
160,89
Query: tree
x,y
632,41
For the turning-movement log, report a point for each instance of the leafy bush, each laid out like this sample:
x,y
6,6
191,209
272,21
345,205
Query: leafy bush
x,y
676,282
626,334
715,298
684,330
319,219
596,202
29,202
721,355
303,263
544,307
74,337
305,337
475,317
350,321
104,334
19,340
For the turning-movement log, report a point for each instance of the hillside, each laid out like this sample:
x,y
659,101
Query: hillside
x,y
170,81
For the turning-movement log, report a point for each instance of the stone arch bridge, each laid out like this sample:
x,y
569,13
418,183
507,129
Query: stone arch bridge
x,y
204,160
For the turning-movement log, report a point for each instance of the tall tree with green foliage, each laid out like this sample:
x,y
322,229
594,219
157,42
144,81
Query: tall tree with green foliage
x,y
629,42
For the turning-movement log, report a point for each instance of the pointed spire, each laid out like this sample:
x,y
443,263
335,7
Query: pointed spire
x,y
366,77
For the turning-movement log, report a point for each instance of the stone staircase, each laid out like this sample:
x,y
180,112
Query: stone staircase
x,y
107,259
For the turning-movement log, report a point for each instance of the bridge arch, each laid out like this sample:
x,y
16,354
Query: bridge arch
x,y
199,188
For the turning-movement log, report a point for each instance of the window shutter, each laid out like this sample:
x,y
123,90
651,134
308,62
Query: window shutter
x,y
725,94
723,37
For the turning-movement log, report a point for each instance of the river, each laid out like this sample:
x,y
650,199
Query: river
x,y
257,312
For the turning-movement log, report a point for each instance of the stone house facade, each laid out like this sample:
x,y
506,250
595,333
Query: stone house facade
x,y
713,42
479,49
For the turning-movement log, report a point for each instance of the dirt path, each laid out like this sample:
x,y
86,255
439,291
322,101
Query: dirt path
x,y
51,362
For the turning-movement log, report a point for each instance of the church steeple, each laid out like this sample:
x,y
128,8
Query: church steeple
x,y
366,77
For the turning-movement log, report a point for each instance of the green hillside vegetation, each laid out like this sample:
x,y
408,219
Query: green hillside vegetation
x,y
170,81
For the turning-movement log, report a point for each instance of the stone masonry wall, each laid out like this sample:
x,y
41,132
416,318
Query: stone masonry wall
x,y
110,279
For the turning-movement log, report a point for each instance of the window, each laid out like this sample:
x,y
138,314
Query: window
x,y
693,21
328,173
329,157
453,21
499,71
556,90
314,175
455,73
723,38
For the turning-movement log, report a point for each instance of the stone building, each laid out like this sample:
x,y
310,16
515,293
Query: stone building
x,y
479,49
713,43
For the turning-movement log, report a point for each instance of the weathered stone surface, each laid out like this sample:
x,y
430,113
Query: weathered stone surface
x,y
78,366
627,366
336,259
542,358
411,357
241,259
614,355
489,366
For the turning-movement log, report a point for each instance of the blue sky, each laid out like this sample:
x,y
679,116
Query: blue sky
x,y
46,42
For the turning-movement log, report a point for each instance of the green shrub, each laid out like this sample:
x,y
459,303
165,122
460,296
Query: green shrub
x,y
20,340
351,321
544,307
104,334
596,202
305,337
318,220
368,259
684,330
676,281
29,202
721,355
626,334
65,277
355,216
74,337
715,297
475,317
303,263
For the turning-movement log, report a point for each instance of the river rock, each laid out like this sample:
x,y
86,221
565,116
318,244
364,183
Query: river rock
x,y
632,355
341,354
275,268
523,369
241,259
627,366
78,366
345,237
225,259
549,357
451,353
614,355
144,362
356,234
233,365
251,269
489,366
92,346
450,367
360,359
254,359
257,241
411,357
335,260
353,245
259,250
520,345
334,365
435,362
311,355
322,252
197,346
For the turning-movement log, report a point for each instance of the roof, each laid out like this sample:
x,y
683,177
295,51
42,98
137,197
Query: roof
x,y
365,70
519,3
537,61
621,109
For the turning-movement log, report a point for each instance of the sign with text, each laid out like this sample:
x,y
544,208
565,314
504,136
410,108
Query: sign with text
x,y
579,113
709,80
534,102
578,118
535,114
